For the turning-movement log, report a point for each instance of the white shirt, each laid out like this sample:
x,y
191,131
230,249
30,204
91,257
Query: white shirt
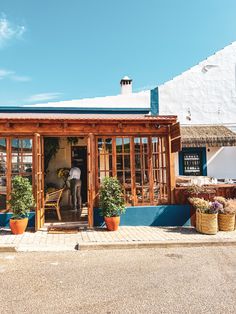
x,y
74,173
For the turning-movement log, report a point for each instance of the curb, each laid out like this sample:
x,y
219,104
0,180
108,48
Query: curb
x,y
6,248
154,244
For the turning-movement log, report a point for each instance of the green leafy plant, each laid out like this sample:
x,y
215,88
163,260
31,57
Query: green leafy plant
x,y
72,140
21,197
111,198
51,147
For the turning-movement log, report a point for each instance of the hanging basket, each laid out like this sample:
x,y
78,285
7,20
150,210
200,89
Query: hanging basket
x,y
206,223
226,222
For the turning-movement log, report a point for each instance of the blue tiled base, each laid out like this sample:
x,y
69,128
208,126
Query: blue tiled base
x,y
163,215
5,218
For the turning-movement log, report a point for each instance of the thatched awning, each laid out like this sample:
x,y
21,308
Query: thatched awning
x,y
213,136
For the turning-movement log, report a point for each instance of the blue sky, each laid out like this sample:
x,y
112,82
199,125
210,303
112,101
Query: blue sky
x,y
67,49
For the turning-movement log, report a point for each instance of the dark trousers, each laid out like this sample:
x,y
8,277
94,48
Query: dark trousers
x,y
75,188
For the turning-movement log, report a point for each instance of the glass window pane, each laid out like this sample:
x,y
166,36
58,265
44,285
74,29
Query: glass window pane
x,y
138,178
21,156
126,145
128,177
126,162
145,177
108,145
119,162
100,144
137,145
137,162
118,145
26,144
27,159
145,144
120,176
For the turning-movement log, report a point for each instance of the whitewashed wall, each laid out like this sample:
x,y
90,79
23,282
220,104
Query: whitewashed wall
x,y
206,94
221,162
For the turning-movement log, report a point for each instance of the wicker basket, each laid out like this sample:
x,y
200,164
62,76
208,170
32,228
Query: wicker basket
x,y
206,223
226,222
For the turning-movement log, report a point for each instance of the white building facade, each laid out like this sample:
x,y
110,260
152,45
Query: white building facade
x,y
206,95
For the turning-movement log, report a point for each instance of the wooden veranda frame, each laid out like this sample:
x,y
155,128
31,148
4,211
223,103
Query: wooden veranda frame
x,y
38,126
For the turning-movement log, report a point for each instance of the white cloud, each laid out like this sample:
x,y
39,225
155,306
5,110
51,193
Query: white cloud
x,y
43,97
5,73
11,75
19,78
9,31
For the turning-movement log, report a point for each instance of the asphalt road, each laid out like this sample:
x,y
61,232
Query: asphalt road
x,y
190,280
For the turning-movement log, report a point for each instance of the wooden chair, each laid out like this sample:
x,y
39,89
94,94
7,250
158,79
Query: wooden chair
x,y
52,201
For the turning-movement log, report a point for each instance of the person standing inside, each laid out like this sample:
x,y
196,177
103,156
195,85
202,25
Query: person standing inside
x,y
75,187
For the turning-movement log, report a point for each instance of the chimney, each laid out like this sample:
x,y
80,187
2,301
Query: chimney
x,y
126,85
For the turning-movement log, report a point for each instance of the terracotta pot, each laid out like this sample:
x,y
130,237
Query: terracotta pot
x,y
18,226
112,223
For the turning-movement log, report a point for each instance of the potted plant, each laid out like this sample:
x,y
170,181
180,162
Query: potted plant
x,y
226,217
21,201
111,201
206,215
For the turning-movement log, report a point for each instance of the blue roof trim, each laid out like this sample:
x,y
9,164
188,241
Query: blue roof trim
x,y
154,101
74,110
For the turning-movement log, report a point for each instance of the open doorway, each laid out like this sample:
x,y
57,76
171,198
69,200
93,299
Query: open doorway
x,y
60,154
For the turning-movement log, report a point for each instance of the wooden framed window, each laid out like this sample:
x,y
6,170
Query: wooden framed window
x,y
123,165
140,164
104,154
192,161
159,156
21,157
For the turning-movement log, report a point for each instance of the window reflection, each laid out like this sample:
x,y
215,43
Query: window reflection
x,y
21,160
143,174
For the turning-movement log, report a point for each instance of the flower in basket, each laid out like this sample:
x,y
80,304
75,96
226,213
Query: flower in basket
x,y
230,207
200,204
63,173
215,207
223,201
195,189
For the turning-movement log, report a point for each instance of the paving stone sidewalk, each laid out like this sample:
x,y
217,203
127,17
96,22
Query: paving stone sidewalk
x,y
125,236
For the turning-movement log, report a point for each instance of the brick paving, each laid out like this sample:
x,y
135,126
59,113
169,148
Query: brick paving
x,y
43,241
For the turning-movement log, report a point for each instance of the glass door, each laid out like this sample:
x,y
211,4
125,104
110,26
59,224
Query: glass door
x,y
39,181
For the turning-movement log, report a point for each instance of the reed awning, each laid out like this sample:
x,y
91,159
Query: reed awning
x,y
212,136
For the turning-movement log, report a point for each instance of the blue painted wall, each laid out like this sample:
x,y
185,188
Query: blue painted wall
x,y
154,101
163,215
5,218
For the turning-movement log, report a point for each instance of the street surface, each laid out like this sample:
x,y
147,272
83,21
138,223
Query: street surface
x,y
187,280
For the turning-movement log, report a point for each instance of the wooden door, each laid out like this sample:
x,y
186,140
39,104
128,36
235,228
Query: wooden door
x,y
39,181
91,177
